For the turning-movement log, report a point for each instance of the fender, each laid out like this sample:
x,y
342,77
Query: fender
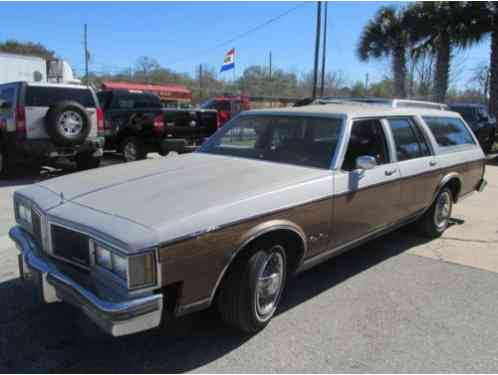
x,y
444,181
254,233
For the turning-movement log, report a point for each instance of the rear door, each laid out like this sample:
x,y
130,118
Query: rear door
x,y
417,165
39,99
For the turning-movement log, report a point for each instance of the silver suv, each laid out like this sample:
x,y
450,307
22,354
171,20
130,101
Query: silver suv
x,y
41,123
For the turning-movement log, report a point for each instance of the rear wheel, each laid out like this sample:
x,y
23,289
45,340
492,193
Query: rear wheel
x,y
87,161
133,149
251,291
436,220
4,167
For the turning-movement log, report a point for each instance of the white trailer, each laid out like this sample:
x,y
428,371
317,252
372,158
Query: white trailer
x,y
15,68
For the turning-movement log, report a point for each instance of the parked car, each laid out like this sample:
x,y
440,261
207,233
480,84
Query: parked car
x,y
482,123
227,106
136,123
271,194
42,123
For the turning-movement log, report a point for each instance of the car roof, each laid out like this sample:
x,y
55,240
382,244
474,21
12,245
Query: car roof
x,y
57,85
354,110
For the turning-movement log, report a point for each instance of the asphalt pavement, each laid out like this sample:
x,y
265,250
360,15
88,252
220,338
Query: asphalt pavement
x,y
399,304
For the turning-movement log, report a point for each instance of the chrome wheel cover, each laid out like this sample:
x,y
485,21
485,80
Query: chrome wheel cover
x,y
269,284
130,151
442,212
70,124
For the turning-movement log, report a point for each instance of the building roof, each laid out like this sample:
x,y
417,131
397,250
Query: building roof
x,y
173,88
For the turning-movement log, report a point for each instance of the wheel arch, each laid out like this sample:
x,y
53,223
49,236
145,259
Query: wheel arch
x,y
452,180
283,229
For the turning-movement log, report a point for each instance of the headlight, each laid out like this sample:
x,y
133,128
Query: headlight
x,y
24,213
138,270
120,265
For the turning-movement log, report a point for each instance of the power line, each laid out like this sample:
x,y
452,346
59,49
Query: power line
x,y
245,33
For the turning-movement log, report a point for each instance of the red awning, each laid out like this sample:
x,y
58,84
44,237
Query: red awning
x,y
165,92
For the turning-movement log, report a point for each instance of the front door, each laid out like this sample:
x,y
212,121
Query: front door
x,y
365,200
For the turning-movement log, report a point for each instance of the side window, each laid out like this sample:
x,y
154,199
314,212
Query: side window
x,y
367,139
449,131
7,99
409,141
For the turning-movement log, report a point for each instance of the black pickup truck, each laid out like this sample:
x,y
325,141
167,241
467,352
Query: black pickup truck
x,y
136,123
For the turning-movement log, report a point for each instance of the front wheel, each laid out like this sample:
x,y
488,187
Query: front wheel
x,y
251,292
436,220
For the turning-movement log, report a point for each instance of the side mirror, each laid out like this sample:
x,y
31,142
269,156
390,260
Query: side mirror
x,y
365,162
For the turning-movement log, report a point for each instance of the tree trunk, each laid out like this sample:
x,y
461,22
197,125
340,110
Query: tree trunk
x,y
493,66
399,71
441,76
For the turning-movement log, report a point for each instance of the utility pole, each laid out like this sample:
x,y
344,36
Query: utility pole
x,y
366,84
271,86
317,46
324,49
86,56
200,83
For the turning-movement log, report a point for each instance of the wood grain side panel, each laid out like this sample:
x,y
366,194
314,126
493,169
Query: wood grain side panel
x,y
199,262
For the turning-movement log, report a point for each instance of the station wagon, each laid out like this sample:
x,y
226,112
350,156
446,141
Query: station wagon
x,y
272,193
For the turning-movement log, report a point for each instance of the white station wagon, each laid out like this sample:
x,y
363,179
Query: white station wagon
x,y
272,193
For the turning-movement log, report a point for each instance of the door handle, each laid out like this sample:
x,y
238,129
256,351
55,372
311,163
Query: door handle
x,y
390,172
433,163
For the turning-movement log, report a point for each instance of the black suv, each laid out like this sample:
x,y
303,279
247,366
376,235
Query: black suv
x,y
137,123
41,123
482,123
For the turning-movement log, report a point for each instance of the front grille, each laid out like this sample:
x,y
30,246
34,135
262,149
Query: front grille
x,y
70,245
37,227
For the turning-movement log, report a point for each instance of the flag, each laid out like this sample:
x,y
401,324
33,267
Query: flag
x,y
229,61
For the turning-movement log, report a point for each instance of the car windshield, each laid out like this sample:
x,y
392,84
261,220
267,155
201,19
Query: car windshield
x,y
304,141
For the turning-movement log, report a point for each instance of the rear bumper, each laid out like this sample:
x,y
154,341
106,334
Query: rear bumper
x,y
116,318
45,149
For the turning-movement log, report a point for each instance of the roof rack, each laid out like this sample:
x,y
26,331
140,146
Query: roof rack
x,y
393,103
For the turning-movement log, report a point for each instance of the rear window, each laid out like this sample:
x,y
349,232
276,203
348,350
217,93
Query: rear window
x,y
48,96
449,131
135,101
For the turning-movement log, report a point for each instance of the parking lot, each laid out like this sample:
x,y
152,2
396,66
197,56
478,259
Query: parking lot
x,y
401,303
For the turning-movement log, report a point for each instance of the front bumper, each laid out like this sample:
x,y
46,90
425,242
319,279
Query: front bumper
x,y
116,318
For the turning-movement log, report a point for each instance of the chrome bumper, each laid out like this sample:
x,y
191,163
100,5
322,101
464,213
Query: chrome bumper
x,y
116,318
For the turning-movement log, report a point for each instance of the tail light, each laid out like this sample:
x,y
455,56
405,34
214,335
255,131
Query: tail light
x,y
20,120
158,124
100,121
218,121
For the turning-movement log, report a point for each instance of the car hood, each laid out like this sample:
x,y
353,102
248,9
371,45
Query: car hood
x,y
181,195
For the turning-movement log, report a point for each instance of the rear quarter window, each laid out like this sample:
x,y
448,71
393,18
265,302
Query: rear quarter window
x,y
449,131
48,96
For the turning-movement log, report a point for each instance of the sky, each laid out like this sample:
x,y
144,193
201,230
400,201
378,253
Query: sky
x,y
182,35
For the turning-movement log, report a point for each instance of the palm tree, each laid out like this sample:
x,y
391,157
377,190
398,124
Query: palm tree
x,y
439,27
481,22
386,36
